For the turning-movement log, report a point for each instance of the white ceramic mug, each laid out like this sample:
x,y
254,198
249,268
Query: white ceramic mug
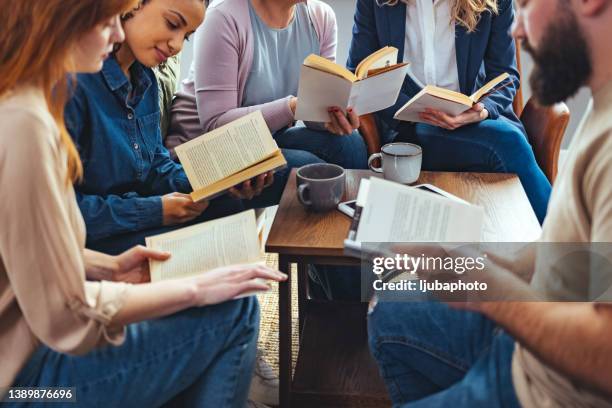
x,y
401,162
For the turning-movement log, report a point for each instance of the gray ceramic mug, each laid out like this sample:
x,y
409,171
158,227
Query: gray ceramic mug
x,y
401,162
320,186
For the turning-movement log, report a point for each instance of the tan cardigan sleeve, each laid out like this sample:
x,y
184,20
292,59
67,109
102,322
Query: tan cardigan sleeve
x,y
39,244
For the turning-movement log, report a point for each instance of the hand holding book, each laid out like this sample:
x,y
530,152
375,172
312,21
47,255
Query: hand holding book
x,y
232,282
374,86
178,208
253,187
438,118
340,122
435,101
230,156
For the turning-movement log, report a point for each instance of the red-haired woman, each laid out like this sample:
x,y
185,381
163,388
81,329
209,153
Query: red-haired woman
x,y
117,344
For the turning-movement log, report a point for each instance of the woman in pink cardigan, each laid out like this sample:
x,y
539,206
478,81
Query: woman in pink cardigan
x,y
247,57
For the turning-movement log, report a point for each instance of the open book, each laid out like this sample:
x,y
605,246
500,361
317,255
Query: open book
x,y
444,100
374,86
229,155
226,241
392,212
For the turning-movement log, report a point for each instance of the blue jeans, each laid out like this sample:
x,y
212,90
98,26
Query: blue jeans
x,y
219,207
433,356
348,151
495,146
201,357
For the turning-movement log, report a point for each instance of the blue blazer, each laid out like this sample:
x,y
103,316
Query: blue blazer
x,y
481,55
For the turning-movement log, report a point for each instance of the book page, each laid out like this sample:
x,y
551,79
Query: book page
x,y
323,64
410,111
378,92
488,87
398,213
227,241
318,91
226,150
384,57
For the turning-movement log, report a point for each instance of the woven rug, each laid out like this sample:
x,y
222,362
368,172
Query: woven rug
x,y
268,332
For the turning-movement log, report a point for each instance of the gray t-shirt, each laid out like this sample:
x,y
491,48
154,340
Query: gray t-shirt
x,y
278,56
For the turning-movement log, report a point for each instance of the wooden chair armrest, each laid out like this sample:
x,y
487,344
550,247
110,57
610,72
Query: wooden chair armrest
x,y
545,126
369,132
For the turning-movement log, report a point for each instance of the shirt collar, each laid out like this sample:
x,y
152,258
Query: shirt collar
x,y
113,75
116,79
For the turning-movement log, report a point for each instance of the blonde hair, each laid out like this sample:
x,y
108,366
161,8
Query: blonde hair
x,y
37,38
463,12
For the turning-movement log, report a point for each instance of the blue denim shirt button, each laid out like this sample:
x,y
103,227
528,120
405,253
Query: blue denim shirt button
x,y
130,116
136,147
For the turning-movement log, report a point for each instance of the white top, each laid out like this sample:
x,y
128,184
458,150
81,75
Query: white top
x,y
429,46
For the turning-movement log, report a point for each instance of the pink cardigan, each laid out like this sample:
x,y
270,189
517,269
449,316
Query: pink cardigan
x,y
223,55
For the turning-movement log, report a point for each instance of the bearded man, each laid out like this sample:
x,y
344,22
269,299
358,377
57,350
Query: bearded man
x,y
557,351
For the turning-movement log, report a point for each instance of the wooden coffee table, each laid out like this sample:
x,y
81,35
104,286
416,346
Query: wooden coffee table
x,y
334,367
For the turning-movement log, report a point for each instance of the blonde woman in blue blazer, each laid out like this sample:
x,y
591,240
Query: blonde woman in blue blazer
x,y
458,45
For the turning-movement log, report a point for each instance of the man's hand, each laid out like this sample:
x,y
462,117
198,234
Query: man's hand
x,y
501,284
179,208
248,189
433,117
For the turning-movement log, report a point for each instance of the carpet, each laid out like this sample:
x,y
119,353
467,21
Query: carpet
x,y
268,329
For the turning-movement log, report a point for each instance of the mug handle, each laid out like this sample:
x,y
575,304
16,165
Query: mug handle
x,y
371,160
302,188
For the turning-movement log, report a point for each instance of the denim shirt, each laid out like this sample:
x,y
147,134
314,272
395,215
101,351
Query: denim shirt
x,y
126,167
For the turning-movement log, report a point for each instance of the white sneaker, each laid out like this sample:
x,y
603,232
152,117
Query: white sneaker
x,y
264,386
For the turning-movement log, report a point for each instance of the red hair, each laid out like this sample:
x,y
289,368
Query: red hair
x,y
35,47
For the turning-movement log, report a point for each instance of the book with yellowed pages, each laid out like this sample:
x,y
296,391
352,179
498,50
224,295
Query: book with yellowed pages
x,y
444,100
374,86
229,155
199,248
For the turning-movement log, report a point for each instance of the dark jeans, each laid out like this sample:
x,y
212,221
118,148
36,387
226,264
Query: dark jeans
x,y
433,356
348,151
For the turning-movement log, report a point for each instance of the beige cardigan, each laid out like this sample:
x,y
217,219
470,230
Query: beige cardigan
x,y
44,297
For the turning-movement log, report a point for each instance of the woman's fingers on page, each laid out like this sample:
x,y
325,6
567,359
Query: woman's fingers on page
x,y
253,285
145,253
262,272
353,118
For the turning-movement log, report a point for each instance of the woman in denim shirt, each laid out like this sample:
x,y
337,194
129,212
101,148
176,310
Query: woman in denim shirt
x,y
131,188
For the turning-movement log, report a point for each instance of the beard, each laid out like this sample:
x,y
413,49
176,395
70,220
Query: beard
x,y
562,61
